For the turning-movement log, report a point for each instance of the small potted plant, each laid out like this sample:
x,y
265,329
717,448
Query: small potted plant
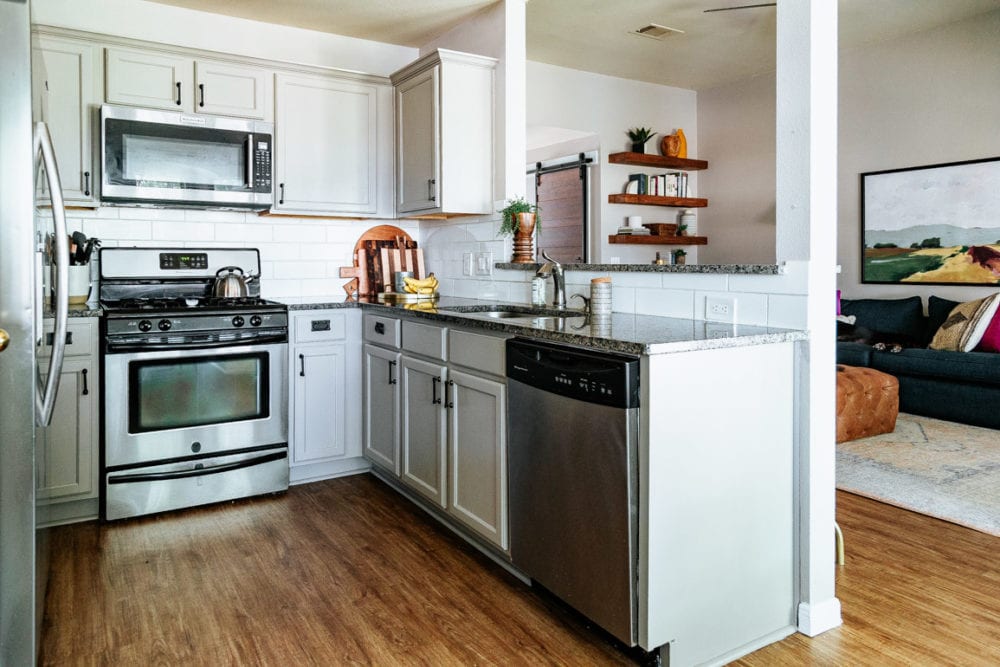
x,y
639,136
679,256
681,229
519,218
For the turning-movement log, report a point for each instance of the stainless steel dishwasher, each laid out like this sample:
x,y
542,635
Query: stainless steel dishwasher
x,y
573,477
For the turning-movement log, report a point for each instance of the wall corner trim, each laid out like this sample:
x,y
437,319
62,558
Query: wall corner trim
x,y
815,619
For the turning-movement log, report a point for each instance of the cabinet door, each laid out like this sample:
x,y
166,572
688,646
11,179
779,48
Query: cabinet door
x,y
477,447
147,79
229,90
66,96
423,424
381,404
326,145
418,140
68,466
318,403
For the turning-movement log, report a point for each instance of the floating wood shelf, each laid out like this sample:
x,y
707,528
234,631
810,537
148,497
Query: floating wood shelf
x,y
653,239
651,200
663,161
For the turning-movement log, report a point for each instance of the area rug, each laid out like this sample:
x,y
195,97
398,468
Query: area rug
x,y
942,469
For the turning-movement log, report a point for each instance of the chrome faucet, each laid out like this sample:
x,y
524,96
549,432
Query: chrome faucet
x,y
554,269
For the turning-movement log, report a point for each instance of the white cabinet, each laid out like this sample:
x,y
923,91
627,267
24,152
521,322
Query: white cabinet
x,y
66,93
445,134
68,448
162,80
333,145
381,399
424,456
325,422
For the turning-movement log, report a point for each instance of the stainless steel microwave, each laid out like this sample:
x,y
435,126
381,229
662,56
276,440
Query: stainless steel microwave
x,y
175,159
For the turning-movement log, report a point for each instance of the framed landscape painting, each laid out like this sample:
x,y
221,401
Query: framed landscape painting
x,y
932,225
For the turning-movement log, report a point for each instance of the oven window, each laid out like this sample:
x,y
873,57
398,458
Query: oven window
x,y
169,394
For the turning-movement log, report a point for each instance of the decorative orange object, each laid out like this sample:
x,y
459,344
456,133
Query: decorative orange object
x,y
669,145
682,151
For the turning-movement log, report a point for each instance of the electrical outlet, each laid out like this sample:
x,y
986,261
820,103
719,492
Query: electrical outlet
x,y
467,264
484,263
720,309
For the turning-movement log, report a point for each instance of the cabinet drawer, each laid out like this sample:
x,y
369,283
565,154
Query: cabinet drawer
x,y
478,352
426,339
79,339
315,327
381,330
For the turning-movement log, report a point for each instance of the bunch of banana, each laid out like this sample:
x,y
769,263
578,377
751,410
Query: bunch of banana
x,y
425,306
426,285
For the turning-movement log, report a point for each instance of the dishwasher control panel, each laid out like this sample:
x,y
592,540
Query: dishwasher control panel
x,y
588,375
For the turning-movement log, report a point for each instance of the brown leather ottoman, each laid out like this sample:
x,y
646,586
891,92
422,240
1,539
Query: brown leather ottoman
x,y
867,402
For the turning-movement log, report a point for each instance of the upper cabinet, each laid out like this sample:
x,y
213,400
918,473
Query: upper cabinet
x,y
158,80
444,135
333,145
66,92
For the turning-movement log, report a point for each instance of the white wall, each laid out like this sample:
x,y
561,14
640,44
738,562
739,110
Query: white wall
x,y
608,106
736,136
926,98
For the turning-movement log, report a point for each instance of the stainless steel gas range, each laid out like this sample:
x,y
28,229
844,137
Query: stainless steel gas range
x,y
195,388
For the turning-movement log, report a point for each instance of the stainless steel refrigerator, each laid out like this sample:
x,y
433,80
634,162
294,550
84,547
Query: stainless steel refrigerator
x,y
27,395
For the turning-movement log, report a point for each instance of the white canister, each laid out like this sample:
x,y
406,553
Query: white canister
x,y
688,218
600,296
79,283
538,291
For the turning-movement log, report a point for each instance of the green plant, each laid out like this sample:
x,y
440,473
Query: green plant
x,y
510,223
640,135
681,229
680,253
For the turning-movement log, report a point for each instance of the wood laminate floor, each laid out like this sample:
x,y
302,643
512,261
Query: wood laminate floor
x,y
347,572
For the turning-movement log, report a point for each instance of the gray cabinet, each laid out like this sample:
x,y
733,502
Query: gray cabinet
x,y
445,134
150,79
66,93
424,456
381,399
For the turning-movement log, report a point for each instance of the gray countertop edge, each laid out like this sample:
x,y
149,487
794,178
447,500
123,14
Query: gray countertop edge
x,y
583,337
743,269
83,310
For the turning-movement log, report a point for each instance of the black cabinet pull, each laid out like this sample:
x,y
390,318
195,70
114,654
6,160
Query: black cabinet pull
x,y
302,365
434,390
86,184
380,328
447,394
178,93
281,198
430,189
392,380
201,89
85,390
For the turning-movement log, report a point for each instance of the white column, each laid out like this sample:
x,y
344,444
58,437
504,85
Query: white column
x,y
807,230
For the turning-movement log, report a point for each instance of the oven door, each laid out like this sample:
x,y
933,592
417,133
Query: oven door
x,y
167,157
165,405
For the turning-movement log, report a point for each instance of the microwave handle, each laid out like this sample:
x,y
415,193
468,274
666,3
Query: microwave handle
x,y
250,162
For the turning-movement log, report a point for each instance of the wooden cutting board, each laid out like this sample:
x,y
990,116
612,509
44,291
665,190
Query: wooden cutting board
x,y
368,265
394,259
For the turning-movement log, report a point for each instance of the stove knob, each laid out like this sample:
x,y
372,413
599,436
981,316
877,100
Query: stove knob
x,y
255,321
237,321
145,325
164,325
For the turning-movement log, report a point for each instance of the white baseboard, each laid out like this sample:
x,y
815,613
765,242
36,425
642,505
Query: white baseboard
x,y
815,619
314,472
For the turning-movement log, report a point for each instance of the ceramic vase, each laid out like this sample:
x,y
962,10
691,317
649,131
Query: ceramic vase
x,y
524,251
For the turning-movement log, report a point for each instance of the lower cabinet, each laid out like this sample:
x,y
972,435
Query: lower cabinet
x,y
324,420
67,451
436,419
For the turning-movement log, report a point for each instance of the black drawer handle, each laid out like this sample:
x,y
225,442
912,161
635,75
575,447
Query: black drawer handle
x,y
85,390
201,89
86,184
281,199
447,394
434,390
392,365
380,328
302,365
178,93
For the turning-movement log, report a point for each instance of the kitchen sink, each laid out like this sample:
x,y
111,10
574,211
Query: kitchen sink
x,y
539,316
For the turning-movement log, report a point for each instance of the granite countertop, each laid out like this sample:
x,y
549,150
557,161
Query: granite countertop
x,y
743,269
76,310
622,332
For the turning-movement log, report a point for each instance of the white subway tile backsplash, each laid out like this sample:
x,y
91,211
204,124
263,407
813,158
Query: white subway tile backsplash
x,y
245,232
786,311
793,280
664,302
325,251
300,233
319,287
301,270
216,216
277,288
183,231
277,252
213,244
637,279
623,299
114,229
696,281
127,213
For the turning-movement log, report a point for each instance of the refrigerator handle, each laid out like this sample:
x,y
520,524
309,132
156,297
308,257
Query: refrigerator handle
x,y
45,396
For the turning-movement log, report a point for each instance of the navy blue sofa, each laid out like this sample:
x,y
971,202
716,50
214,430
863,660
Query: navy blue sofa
x,y
957,386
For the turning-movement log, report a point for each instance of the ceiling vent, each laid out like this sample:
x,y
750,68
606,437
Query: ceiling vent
x,y
656,31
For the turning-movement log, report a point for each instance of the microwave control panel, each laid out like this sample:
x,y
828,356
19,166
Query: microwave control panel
x,y
262,164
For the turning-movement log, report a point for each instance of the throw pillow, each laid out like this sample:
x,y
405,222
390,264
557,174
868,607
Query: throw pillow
x,y
938,310
966,324
903,317
991,339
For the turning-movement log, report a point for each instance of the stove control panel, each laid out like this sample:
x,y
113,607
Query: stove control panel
x,y
184,261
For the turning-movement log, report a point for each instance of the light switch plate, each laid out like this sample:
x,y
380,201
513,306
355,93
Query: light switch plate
x,y
467,264
484,263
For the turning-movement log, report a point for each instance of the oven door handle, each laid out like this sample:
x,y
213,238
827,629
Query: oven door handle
x,y
150,347
198,472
